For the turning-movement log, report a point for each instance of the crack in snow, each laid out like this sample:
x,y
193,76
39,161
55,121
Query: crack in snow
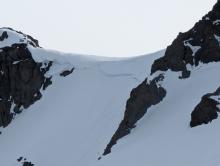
x,y
132,76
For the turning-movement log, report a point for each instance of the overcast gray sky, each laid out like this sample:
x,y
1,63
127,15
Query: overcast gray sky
x,y
103,27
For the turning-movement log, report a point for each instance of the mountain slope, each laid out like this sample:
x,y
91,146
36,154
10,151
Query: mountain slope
x,y
157,109
200,45
77,114
164,136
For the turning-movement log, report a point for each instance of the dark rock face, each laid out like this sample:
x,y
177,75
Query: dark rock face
x,y
66,72
26,163
21,79
19,159
200,44
4,36
207,110
33,42
47,82
141,98
5,114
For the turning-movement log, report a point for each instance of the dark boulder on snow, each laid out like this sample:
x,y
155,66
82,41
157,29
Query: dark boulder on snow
x,y
4,36
141,98
207,110
200,44
20,159
26,163
66,72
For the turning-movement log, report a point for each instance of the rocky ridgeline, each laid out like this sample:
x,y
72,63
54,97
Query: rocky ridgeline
x,y
198,45
201,44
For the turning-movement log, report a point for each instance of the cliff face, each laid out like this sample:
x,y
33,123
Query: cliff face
x,y
21,79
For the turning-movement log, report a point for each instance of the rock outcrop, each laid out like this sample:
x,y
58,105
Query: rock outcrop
x,y
24,162
66,72
141,98
207,110
28,164
4,36
200,44
21,79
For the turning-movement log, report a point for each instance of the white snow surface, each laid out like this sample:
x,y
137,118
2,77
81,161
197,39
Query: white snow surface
x,y
13,37
163,136
78,114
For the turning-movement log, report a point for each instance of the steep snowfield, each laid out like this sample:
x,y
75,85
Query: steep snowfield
x,y
164,137
77,114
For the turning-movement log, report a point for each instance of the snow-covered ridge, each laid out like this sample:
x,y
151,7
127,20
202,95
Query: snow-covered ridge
x,y
15,37
110,66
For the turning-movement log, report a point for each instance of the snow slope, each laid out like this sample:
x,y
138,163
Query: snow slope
x,y
77,114
163,136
